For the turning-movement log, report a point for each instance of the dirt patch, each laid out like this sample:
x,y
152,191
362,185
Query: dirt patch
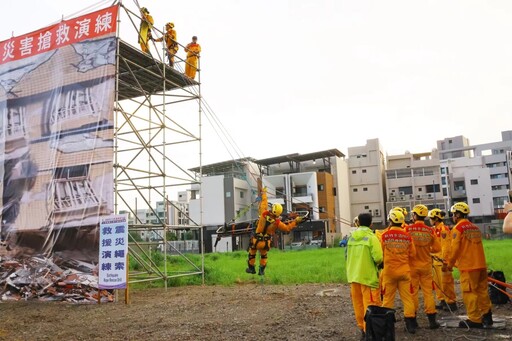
x,y
242,312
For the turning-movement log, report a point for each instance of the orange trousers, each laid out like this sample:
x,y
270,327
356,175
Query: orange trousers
x,y
363,296
421,279
473,285
444,284
401,282
263,247
191,67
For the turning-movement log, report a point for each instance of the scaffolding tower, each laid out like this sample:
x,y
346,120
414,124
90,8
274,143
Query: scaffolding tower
x,y
157,131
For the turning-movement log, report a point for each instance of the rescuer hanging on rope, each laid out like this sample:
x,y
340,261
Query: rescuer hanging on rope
x,y
268,222
171,42
146,24
193,49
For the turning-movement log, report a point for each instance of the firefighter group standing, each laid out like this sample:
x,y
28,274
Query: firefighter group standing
x,y
419,258
193,49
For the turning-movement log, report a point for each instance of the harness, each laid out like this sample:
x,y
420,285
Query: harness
x,y
263,236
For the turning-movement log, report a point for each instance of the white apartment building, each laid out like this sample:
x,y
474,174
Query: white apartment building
x,y
412,179
366,176
477,174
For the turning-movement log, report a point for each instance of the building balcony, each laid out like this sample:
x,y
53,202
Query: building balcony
x,y
459,193
302,199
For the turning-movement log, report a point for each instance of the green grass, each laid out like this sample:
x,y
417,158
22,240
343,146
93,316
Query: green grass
x,y
297,266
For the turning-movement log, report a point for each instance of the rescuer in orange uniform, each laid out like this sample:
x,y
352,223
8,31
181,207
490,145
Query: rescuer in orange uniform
x,y
425,242
398,249
193,49
146,24
468,255
379,233
268,223
443,280
171,42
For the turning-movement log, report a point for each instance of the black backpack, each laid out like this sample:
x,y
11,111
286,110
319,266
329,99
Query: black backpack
x,y
380,323
496,296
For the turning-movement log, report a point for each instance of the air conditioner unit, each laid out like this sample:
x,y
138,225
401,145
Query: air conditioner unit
x,y
402,198
418,197
402,193
411,196
377,212
430,195
392,198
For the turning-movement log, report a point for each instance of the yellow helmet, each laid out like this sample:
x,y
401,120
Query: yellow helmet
x,y
420,210
277,209
170,24
461,207
144,10
399,209
436,213
396,217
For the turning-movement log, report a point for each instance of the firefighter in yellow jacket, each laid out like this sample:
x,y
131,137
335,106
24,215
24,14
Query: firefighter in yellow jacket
x,y
193,50
425,242
146,24
171,42
398,249
268,222
467,254
443,280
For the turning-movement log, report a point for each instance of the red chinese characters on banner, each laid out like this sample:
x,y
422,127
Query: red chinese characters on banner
x,y
66,32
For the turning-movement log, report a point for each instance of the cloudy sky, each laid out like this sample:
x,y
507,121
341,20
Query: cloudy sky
x,y
303,76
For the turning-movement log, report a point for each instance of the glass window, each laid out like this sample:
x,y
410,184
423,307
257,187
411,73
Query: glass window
x,y
476,200
474,181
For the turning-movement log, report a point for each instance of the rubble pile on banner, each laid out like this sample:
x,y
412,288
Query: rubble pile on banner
x,y
50,279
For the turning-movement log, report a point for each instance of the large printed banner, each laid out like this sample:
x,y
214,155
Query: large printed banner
x,y
113,256
56,136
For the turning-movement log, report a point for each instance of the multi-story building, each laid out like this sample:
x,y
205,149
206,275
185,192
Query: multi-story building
x,y
414,178
366,171
314,182
476,174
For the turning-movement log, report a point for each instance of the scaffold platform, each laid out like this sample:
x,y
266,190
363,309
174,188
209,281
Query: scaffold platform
x,y
142,75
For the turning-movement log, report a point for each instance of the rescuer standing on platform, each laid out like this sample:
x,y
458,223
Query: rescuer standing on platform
x,y
268,223
193,49
364,253
398,250
146,24
425,242
468,255
171,42
443,280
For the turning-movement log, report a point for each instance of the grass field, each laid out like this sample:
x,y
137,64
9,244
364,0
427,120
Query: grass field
x,y
301,266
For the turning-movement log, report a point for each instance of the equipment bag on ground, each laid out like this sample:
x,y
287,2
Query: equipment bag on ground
x,y
496,296
380,323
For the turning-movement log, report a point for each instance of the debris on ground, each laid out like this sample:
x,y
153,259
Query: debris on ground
x,y
50,279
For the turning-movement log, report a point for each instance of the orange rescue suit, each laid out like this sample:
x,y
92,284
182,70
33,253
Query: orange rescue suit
x,y
171,43
398,249
467,253
193,50
265,229
443,280
146,25
425,242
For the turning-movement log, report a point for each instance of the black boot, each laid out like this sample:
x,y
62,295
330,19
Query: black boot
x,y
409,325
250,269
487,319
432,323
441,305
470,324
415,322
261,271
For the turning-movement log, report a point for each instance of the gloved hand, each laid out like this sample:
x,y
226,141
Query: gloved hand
x,y
299,220
446,268
380,266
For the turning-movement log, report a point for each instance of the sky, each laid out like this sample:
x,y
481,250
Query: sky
x,y
301,76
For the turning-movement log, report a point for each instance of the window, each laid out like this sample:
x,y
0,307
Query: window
x,y
443,180
334,191
366,207
228,194
241,195
445,192
354,171
474,181
443,170
320,187
405,190
476,200
354,189
364,170
365,189
433,188
321,209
